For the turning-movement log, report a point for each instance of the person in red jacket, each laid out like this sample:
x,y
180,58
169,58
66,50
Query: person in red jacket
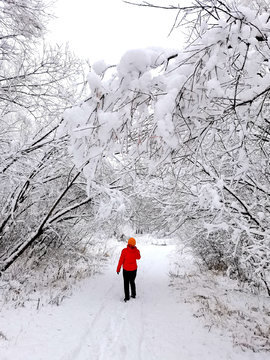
x,y
128,258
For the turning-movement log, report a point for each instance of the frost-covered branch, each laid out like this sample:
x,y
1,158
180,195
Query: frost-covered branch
x,y
22,247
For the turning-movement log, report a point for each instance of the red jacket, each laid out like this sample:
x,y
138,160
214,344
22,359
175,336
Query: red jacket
x,y
128,258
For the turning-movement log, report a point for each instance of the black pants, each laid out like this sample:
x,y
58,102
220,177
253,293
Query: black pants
x,y
129,278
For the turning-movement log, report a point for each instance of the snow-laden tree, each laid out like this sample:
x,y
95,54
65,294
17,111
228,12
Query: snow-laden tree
x,y
196,124
42,197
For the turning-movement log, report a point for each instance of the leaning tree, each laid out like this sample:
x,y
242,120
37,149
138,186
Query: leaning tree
x,y
42,195
194,124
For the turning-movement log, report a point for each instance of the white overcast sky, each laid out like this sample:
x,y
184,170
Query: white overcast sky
x,y
106,29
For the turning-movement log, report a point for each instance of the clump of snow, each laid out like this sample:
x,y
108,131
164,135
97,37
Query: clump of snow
x,y
176,82
261,215
249,14
94,82
134,62
163,116
100,67
214,87
209,197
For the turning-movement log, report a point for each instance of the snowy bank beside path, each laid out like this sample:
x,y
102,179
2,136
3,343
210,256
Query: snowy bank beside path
x,y
95,323
223,305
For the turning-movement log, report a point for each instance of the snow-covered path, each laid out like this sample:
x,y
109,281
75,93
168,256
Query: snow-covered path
x,y
95,323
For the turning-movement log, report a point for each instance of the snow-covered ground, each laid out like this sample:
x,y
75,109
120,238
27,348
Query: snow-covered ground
x,y
95,323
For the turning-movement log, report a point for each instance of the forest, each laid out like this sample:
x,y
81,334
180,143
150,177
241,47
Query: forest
x,y
169,143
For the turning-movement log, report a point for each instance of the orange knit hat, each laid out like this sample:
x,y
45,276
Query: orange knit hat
x,y
132,242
